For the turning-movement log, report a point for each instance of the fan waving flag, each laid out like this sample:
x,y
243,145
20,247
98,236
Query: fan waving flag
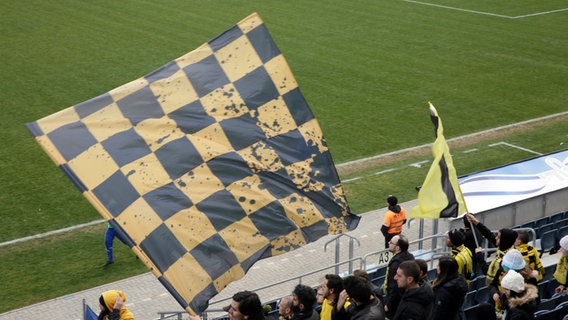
x,y
206,165
440,195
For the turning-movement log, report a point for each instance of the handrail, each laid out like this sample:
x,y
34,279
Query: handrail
x,y
337,249
363,264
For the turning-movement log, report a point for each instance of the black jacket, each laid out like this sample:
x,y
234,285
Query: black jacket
x,y
415,304
393,294
372,310
449,298
524,307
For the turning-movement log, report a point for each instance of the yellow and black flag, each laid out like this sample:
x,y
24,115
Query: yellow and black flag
x,y
440,195
205,165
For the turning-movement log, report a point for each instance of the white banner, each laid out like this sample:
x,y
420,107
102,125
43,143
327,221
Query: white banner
x,y
515,182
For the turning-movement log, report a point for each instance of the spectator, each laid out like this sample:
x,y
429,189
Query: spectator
x,y
331,286
450,289
394,219
514,260
365,276
399,247
462,255
245,305
364,304
470,239
521,297
304,299
112,307
416,302
285,308
530,254
561,272
423,265
504,240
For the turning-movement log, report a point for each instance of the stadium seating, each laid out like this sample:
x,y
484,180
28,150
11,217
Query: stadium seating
x,y
543,229
469,300
547,241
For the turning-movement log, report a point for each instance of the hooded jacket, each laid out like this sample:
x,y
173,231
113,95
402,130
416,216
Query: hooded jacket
x,y
109,299
523,307
415,304
448,298
390,287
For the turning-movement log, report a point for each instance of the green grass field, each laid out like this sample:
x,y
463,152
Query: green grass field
x,y
366,68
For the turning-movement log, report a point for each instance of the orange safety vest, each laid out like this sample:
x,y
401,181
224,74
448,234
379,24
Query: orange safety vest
x,y
394,221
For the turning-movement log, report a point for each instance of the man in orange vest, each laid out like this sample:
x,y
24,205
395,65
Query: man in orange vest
x,y
395,217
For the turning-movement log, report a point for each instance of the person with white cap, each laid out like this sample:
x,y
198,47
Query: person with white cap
x,y
561,273
521,297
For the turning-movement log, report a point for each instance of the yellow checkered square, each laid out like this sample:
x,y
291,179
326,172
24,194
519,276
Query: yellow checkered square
x,y
199,183
224,103
282,77
194,56
261,157
174,92
211,142
275,118
190,227
249,196
146,174
125,90
238,50
188,276
106,122
158,132
301,210
57,120
94,157
139,220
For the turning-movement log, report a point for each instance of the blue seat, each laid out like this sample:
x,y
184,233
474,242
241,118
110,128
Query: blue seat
x,y
556,217
547,241
540,222
477,283
543,229
469,300
550,304
562,231
563,306
482,294
547,314
380,272
471,312
542,289
529,224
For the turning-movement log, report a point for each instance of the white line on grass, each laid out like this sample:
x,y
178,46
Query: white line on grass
x,y
50,233
42,235
515,146
459,9
358,161
539,13
486,13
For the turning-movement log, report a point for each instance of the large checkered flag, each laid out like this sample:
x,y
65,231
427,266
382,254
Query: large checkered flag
x,y
205,165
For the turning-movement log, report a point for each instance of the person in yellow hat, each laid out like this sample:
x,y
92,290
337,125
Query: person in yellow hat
x,y
112,306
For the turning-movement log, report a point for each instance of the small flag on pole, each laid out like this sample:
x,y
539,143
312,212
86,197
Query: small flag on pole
x,y
440,195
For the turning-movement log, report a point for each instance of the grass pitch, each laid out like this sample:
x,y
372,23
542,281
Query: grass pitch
x,y
366,68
